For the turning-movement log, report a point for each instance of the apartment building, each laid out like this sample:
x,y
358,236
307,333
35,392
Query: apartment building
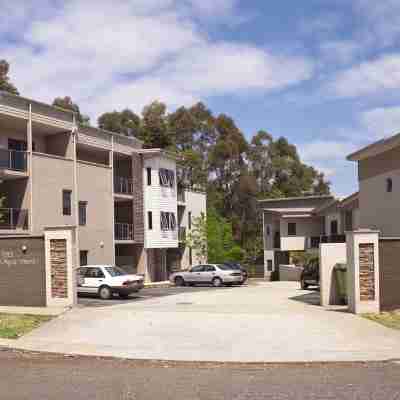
x,y
122,199
300,224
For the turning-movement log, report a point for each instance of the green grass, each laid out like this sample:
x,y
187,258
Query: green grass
x,y
389,319
12,326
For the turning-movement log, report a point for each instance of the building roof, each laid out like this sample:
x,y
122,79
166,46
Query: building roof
x,y
375,148
325,196
349,199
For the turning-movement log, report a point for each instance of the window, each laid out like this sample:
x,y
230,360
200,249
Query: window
x,y
167,177
148,176
198,268
149,220
334,227
389,185
269,265
94,272
268,230
349,220
168,221
66,202
83,257
210,268
292,229
82,213
190,220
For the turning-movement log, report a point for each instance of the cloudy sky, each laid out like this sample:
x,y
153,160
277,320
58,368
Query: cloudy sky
x,y
325,74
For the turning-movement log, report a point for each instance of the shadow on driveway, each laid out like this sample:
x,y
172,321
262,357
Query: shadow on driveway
x,y
312,298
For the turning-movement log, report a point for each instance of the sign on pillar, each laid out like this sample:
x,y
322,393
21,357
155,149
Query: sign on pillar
x,y
363,271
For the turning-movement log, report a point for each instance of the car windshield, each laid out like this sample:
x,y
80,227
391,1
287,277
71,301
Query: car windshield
x,y
225,267
116,271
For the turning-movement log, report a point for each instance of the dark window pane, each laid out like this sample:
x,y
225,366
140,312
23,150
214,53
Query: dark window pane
x,y
66,200
292,229
82,213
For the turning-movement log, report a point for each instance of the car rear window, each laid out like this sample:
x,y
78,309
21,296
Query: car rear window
x,y
115,271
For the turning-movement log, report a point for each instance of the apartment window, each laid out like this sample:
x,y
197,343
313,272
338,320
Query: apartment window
x,y
389,185
269,265
150,220
292,229
167,177
268,230
82,213
83,257
334,227
190,220
66,202
148,176
168,221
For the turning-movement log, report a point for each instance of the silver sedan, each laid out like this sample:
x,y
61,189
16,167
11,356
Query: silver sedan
x,y
216,274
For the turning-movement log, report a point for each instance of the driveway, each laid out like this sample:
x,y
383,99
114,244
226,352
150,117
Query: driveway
x,y
263,322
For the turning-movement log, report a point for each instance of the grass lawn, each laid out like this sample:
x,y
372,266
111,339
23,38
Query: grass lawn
x,y
389,319
12,326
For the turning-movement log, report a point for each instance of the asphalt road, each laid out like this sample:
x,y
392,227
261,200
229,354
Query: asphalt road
x,y
42,376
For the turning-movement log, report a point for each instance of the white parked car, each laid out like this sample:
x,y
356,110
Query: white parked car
x,y
216,274
105,280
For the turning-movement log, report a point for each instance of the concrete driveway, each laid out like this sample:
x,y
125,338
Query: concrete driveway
x,y
263,322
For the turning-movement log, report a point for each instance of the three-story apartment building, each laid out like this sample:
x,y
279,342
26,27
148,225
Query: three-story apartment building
x,y
123,199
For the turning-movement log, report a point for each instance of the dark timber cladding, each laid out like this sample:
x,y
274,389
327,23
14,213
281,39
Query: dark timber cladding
x,y
367,272
22,271
389,271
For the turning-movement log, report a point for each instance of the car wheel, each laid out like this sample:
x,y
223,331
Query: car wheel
x,y
217,282
179,281
303,284
105,293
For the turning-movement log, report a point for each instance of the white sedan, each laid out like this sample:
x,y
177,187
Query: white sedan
x,y
105,280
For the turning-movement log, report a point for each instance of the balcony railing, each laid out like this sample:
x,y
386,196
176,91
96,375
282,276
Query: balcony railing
x,y
123,231
13,219
12,159
333,239
182,234
123,185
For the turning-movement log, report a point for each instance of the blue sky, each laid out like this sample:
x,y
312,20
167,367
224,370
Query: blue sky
x,y
325,74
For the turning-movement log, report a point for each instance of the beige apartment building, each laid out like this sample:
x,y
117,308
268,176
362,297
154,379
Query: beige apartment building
x,y
122,199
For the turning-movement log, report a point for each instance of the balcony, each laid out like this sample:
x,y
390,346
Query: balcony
x,y
181,196
123,185
123,232
13,219
13,164
182,234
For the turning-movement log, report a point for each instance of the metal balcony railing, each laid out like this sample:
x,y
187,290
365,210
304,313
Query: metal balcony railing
x,y
12,159
123,231
182,234
123,185
13,219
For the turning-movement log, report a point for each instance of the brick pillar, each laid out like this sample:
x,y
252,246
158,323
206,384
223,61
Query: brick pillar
x,y
138,199
363,271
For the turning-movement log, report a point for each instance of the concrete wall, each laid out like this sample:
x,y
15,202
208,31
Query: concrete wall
x,y
305,228
95,187
60,144
379,209
23,274
329,255
50,177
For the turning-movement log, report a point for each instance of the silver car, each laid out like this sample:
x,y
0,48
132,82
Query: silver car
x,y
216,274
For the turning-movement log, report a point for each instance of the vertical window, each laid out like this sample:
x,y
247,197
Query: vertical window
x,y
334,227
190,220
148,176
268,230
83,257
269,265
167,221
82,213
66,202
389,185
167,177
292,231
150,220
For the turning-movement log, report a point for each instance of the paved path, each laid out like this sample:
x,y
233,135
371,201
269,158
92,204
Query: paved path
x,y
49,377
268,322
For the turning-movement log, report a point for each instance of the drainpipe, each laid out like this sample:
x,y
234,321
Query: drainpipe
x,y
112,199
74,134
30,169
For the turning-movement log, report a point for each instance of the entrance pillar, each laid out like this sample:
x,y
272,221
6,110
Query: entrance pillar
x,y
363,271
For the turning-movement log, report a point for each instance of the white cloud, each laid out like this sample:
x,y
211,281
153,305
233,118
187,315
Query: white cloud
x,y
108,55
340,51
325,150
382,122
369,77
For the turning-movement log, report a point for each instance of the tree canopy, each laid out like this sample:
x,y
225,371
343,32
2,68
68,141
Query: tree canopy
x,y
66,103
5,83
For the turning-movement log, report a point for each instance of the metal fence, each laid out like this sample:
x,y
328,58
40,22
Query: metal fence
x,y
123,185
12,159
123,231
13,218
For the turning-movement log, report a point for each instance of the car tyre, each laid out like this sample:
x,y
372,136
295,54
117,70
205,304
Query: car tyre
x,y
217,282
179,281
105,293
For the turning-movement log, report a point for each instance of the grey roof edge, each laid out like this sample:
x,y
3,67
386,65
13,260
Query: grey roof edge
x,y
325,196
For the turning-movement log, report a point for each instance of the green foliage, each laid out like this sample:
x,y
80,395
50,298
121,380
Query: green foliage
x,y
125,122
5,83
155,126
197,237
66,103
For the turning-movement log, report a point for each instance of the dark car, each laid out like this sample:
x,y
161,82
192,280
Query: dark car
x,y
236,266
310,274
